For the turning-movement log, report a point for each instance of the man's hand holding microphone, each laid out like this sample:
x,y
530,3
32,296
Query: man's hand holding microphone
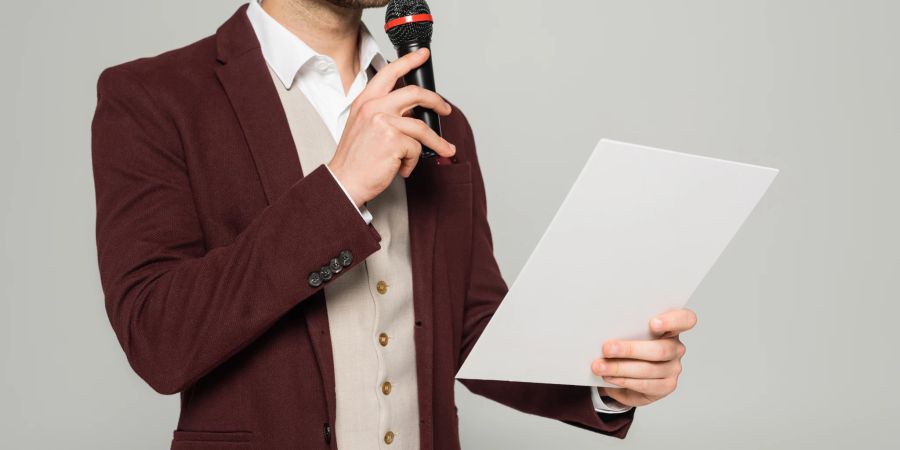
x,y
380,140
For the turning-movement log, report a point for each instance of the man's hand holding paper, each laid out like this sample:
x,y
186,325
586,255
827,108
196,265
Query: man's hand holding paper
x,y
646,370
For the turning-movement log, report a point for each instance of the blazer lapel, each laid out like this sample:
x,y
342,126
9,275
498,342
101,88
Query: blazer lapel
x,y
249,86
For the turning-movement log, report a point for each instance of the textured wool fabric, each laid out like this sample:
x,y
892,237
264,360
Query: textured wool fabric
x,y
207,231
358,312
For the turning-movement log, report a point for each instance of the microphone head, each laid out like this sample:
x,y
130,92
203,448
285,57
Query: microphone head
x,y
408,22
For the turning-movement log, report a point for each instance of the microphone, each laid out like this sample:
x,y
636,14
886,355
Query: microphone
x,y
409,24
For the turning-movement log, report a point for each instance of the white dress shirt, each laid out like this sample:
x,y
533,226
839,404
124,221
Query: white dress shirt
x,y
316,75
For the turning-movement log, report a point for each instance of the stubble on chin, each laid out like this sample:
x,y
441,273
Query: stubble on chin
x,y
359,4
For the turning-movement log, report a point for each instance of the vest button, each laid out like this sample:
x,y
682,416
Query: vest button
x,y
326,430
386,388
389,437
381,287
383,339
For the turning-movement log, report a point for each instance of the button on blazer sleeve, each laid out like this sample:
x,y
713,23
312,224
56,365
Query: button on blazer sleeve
x,y
570,404
180,309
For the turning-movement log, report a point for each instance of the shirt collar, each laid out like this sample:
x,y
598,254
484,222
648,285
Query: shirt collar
x,y
286,53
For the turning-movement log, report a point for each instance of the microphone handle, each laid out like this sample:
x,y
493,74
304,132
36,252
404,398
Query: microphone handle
x,y
422,76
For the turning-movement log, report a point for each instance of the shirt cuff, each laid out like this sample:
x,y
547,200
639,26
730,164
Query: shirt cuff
x,y
608,406
363,211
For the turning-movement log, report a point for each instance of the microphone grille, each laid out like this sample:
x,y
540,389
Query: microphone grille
x,y
418,32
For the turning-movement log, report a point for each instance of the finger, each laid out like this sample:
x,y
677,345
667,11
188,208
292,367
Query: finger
x,y
648,387
421,132
626,397
403,100
386,78
655,350
412,149
630,368
673,322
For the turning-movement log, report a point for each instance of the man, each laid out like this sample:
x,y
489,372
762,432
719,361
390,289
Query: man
x,y
272,248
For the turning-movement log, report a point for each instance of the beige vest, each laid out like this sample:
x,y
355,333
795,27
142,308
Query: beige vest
x,y
370,309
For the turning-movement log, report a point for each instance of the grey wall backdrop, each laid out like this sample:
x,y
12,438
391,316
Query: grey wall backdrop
x,y
796,346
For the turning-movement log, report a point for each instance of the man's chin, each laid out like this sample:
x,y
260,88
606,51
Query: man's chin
x,y
359,4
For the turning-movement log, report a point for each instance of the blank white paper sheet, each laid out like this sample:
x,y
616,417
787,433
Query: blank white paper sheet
x,y
634,237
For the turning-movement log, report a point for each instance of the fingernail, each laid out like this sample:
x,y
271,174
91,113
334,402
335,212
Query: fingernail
x,y
601,368
422,50
614,349
657,323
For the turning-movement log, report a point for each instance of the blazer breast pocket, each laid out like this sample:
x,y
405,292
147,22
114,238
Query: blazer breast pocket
x,y
446,174
451,187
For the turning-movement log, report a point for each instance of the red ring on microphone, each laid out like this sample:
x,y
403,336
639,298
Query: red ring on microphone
x,y
408,19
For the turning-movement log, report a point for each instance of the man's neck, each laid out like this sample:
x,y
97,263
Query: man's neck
x,y
328,29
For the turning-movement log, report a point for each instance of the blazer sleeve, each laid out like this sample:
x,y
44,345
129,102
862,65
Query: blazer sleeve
x,y
178,308
569,404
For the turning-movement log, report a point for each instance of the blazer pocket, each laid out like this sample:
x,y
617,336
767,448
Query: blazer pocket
x,y
459,173
197,440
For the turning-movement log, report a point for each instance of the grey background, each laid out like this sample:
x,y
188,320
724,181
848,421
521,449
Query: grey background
x,y
796,346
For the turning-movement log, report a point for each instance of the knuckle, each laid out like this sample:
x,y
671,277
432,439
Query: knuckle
x,y
670,384
678,368
412,148
392,134
681,349
672,350
643,385
379,118
367,110
418,91
646,371
396,68
607,346
422,127
661,352
410,92
610,368
433,97
404,141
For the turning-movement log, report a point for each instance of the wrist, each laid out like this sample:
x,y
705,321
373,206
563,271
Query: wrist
x,y
346,184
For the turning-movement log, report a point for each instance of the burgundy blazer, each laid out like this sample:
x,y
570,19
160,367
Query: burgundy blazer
x,y
207,231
